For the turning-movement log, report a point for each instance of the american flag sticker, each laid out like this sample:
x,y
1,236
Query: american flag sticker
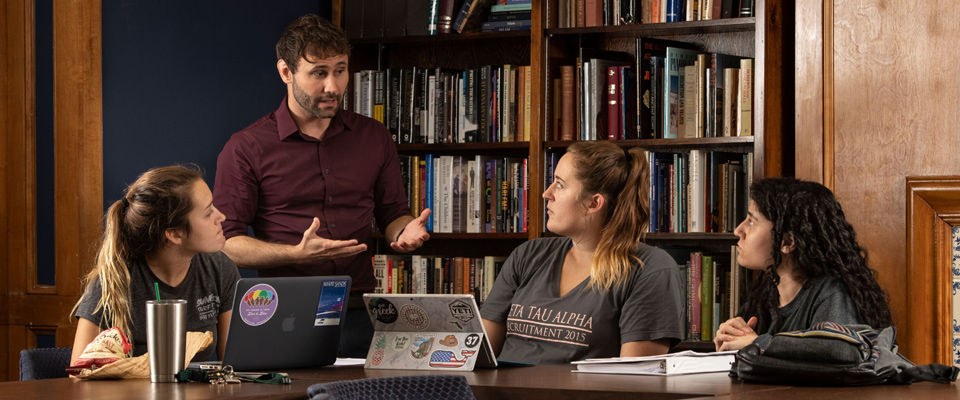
x,y
446,359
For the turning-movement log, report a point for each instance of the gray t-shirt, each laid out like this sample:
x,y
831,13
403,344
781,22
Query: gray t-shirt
x,y
208,289
820,299
545,328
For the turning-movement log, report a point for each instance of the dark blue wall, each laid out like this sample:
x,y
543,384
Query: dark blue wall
x,y
181,76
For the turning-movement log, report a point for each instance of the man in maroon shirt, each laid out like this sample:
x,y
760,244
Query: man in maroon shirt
x,y
309,179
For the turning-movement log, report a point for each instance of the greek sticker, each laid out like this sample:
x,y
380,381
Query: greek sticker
x,y
333,293
459,309
383,310
259,304
413,316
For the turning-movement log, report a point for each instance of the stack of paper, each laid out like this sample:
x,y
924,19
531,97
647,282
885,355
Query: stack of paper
x,y
686,362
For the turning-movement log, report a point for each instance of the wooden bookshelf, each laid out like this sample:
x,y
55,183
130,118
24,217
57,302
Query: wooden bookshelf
x,y
545,47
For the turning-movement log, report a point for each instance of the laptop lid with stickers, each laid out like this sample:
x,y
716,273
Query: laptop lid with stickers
x,y
288,322
427,331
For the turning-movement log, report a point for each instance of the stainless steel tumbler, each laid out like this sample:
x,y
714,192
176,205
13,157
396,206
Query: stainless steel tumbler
x,y
166,338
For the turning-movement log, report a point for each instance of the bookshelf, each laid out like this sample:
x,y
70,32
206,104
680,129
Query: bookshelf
x,y
546,47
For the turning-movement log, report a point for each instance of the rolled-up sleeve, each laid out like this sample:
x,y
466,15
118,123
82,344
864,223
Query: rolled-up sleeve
x,y
236,188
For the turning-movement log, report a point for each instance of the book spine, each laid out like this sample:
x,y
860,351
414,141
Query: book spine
x,y
706,298
433,10
731,102
656,97
745,121
445,15
428,191
527,99
613,106
653,195
567,122
694,294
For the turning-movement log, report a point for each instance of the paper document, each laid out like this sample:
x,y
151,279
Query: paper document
x,y
685,362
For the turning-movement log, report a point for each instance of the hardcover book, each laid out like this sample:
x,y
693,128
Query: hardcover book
x,y
471,15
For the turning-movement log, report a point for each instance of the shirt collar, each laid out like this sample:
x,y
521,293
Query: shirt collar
x,y
287,127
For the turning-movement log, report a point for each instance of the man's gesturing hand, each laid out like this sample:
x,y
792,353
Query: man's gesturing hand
x,y
313,248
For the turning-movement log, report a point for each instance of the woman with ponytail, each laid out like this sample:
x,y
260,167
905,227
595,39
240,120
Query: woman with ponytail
x,y
595,291
166,232
813,269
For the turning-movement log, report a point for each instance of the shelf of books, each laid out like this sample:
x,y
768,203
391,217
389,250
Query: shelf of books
x,y
483,106
684,81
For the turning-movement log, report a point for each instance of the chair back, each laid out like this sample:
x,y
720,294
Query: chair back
x,y
416,387
44,363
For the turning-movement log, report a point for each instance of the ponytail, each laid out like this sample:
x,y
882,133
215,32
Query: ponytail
x,y
621,177
111,271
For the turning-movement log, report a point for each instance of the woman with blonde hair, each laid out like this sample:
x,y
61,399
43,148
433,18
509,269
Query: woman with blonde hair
x,y
596,291
164,233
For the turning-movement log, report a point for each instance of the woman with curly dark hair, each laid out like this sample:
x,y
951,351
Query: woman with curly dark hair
x,y
813,268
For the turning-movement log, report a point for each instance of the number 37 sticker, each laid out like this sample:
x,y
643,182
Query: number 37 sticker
x,y
472,340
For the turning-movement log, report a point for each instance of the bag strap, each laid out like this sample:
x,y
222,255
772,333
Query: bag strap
x,y
926,373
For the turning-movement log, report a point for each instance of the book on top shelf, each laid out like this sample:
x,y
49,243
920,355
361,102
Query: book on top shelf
x,y
645,49
675,60
471,15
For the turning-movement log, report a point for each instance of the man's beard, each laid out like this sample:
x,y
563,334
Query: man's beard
x,y
309,103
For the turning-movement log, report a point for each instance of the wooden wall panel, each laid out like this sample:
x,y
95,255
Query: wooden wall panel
x,y
896,113
810,89
933,209
29,308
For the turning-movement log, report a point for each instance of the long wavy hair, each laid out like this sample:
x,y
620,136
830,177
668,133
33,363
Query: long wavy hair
x,y
134,227
825,245
620,176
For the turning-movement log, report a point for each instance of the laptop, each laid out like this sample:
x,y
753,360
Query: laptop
x,y
427,331
285,323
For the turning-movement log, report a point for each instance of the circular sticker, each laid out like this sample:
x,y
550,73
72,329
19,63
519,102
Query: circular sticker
x,y
259,304
383,310
414,317
400,342
472,340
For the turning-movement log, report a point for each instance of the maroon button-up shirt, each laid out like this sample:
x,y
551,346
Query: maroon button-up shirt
x,y
276,180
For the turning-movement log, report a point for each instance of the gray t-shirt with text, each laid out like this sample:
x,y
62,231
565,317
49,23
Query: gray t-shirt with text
x,y
208,289
545,328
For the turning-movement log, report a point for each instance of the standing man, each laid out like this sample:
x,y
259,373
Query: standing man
x,y
309,179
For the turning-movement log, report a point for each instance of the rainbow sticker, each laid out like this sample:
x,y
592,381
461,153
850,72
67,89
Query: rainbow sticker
x,y
259,304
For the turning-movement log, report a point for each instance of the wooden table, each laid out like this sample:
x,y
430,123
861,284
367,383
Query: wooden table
x,y
553,382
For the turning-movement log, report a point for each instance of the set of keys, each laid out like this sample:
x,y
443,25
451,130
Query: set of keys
x,y
222,375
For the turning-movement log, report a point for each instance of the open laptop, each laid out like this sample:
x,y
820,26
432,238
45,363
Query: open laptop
x,y
427,331
285,323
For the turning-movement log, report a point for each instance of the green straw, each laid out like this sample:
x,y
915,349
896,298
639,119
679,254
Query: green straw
x,y
156,288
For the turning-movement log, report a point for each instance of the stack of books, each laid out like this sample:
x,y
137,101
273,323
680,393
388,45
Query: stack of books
x,y
508,15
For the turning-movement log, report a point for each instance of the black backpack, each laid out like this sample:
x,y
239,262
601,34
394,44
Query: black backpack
x,y
831,354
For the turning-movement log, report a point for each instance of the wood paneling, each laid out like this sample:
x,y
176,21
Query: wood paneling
x,y
896,108
891,109
811,94
933,208
17,244
27,307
